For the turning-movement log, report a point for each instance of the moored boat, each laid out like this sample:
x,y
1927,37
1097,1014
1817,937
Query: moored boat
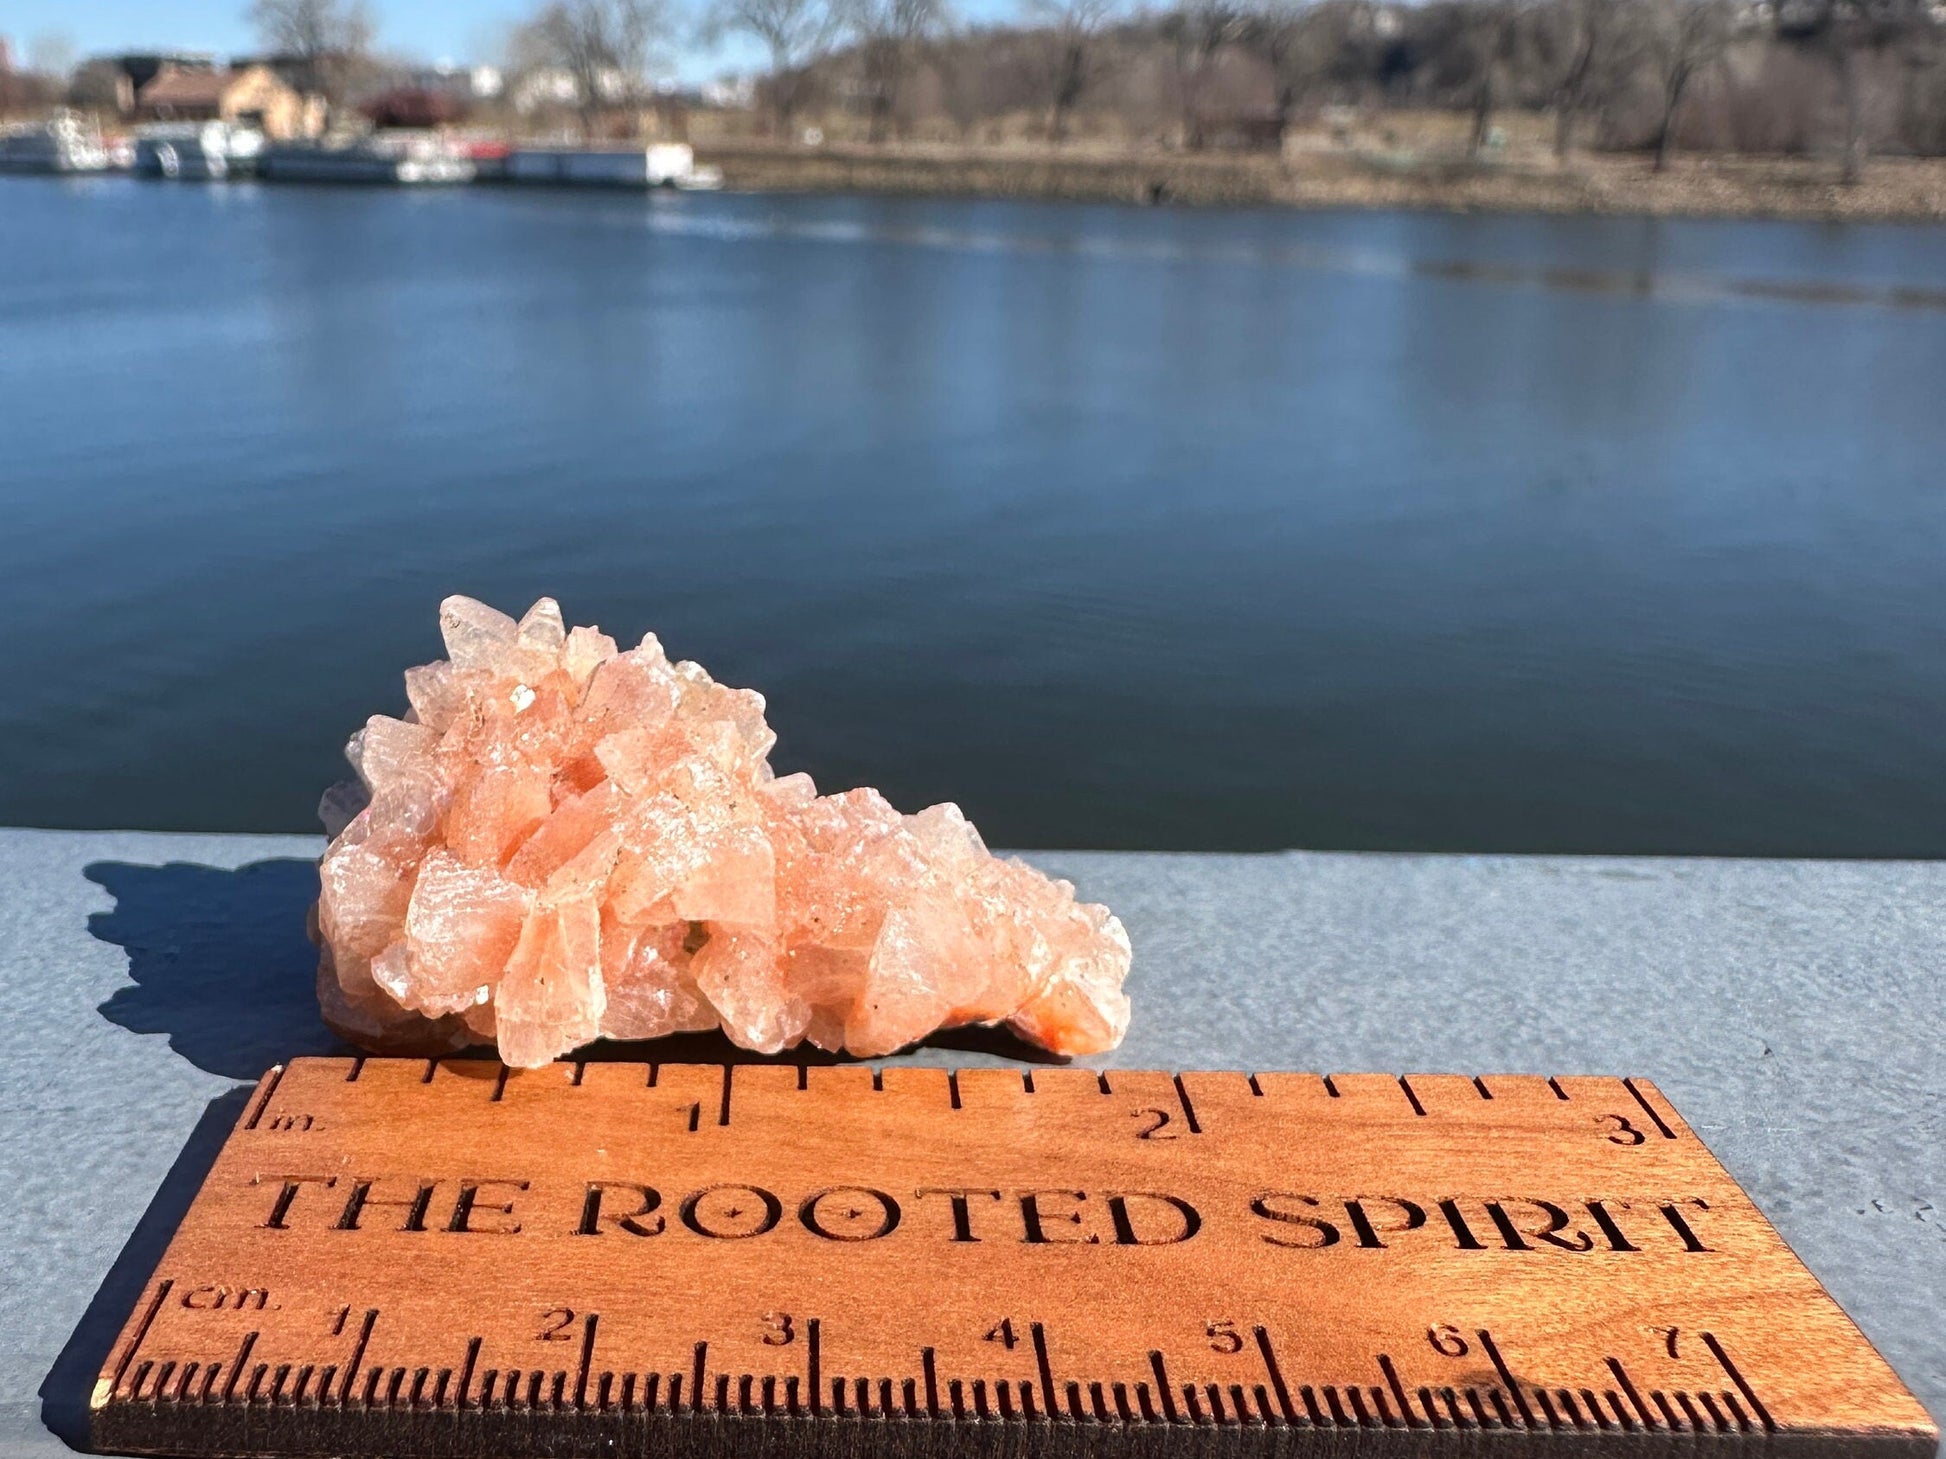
x,y
411,159
63,144
197,151
660,164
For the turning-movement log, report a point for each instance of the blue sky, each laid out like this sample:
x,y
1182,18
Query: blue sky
x,y
431,30
427,29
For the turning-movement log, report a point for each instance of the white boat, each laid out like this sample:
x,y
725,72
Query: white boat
x,y
412,159
63,143
197,151
661,164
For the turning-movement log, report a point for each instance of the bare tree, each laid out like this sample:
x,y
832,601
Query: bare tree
x,y
1587,43
1490,37
1855,35
51,54
43,80
794,32
1071,32
330,39
1198,31
1307,45
605,46
888,35
1686,38
1287,36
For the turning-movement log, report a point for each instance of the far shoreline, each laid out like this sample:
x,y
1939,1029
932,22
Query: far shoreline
x,y
1894,190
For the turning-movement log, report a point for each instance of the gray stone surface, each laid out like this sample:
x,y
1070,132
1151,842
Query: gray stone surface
x,y
1795,1012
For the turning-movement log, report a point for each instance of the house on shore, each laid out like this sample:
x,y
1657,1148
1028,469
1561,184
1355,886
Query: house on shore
x,y
187,87
248,95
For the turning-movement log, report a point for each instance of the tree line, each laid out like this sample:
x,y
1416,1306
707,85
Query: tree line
x,y
1797,77
1841,77
1836,77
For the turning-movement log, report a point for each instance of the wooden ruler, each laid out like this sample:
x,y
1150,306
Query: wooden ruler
x,y
399,1258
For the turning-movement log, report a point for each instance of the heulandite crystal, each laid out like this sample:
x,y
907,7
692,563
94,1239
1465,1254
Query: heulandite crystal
x,y
561,842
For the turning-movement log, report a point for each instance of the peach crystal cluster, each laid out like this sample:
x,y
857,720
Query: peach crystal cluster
x,y
563,842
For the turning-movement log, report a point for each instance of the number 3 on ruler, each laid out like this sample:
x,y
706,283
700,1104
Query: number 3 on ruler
x,y
1620,1132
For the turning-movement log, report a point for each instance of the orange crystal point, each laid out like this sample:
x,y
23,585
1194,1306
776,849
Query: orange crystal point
x,y
562,841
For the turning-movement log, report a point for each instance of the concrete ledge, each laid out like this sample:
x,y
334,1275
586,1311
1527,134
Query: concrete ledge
x,y
1795,1011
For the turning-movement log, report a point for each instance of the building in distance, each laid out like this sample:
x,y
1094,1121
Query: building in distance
x,y
192,87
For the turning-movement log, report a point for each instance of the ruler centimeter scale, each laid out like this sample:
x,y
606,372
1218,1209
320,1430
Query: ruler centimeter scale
x,y
404,1258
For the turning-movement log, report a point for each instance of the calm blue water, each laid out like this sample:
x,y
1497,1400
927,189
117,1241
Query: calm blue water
x,y
1120,527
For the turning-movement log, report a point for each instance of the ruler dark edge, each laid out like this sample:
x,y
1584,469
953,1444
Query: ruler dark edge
x,y
237,1428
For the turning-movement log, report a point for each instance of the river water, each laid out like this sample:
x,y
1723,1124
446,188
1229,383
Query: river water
x,y
1119,527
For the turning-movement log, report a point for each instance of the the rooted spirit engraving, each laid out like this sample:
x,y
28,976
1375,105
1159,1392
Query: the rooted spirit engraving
x,y
399,1258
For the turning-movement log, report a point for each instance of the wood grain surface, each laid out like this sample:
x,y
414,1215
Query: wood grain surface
x,y
401,1258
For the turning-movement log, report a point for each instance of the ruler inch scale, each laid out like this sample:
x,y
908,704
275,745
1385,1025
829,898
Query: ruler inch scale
x,y
411,1259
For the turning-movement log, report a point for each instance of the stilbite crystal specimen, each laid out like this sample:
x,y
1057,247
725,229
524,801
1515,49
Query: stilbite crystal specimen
x,y
561,842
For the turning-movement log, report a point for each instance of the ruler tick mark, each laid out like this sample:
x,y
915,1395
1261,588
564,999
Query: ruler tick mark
x,y
1547,1408
1046,1369
1188,1109
811,1365
1492,1350
723,1114
1276,1375
500,1084
1716,1414
236,1368
463,1399
1411,1098
587,1359
141,1331
1736,1412
1398,1391
1162,1386
269,1087
1662,1125
1683,1402
1627,1387
1743,1386
1555,1085
358,1352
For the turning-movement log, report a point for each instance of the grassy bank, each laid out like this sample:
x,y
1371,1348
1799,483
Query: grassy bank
x,y
1894,189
